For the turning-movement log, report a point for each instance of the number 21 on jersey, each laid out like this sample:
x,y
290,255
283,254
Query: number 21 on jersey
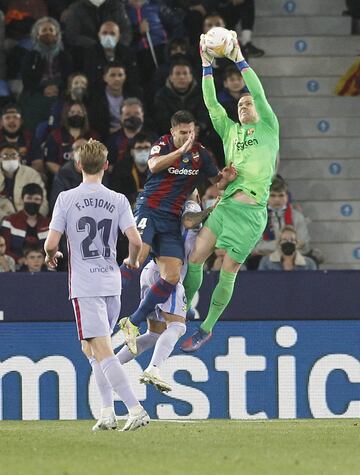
x,y
89,225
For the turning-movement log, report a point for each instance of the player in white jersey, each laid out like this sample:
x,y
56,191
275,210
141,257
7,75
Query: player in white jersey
x,y
167,323
91,215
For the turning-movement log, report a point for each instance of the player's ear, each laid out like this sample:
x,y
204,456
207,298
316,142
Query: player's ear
x,y
106,165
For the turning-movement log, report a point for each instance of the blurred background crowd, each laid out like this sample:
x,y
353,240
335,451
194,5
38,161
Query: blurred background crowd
x,y
116,71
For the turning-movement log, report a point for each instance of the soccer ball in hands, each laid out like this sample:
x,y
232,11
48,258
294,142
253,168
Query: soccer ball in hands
x,y
219,41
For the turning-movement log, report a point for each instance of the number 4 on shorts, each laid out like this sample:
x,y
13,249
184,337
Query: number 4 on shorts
x,y
142,224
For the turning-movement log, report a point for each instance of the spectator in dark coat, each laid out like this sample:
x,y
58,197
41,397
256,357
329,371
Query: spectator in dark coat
x,y
74,125
12,132
178,48
47,61
106,103
77,91
154,19
84,18
44,71
181,92
108,50
26,227
132,121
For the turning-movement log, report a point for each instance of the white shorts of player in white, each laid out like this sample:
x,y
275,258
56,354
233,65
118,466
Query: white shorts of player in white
x,y
96,316
163,333
176,303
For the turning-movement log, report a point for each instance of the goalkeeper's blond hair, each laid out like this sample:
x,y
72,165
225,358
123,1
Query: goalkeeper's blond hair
x,y
92,156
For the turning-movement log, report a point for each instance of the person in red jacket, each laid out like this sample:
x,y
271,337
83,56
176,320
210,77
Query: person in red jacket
x,y
27,227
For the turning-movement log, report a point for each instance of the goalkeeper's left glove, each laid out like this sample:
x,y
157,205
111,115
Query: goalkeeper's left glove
x,y
235,54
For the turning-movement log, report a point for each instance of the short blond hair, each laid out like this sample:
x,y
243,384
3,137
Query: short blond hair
x,y
92,156
287,228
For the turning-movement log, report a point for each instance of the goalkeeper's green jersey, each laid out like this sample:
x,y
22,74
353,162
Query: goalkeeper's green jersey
x,y
252,148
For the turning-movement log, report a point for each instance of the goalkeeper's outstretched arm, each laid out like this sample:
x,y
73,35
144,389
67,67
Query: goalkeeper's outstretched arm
x,y
253,84
218,115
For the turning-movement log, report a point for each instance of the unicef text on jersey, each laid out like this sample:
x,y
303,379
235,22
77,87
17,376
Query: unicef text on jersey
x,y
251,370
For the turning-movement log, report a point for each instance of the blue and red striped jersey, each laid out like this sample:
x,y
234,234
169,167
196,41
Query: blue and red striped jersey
x,y
168,189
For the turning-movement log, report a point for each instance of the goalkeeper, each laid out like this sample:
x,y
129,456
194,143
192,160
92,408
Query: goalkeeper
x,y
238,221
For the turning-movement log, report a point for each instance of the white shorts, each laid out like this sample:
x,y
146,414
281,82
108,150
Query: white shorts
x,y
175,304
96,316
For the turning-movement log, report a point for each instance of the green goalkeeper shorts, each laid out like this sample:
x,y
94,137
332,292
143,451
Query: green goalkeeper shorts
x,y
238,227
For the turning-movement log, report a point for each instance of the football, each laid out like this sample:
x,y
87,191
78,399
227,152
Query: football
x,y
218,41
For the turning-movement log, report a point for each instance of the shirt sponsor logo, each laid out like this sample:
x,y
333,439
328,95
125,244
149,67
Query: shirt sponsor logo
x,y
100,269
182,171
245,144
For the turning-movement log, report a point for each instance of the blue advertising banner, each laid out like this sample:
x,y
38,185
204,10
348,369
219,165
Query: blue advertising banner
x,y
248,370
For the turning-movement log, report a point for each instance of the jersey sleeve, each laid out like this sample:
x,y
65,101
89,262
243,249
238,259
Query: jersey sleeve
x,y
209,168
158,148
58,220
191,207
257,92
126,219
218,115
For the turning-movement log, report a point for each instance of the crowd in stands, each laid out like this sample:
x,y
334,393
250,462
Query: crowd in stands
x,y
114,70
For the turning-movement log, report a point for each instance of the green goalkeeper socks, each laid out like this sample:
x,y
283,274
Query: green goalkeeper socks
x,y
193,281
219,299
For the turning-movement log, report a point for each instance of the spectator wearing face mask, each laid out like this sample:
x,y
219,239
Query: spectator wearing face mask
x,y
210,196
13,177
74,125
77,91
286,256
109,50
44,72
26,227
132,122
106,102
129,176
280,213
83,20
47,60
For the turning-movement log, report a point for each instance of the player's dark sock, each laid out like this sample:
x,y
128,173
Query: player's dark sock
x,y
127,275
219,299
159,293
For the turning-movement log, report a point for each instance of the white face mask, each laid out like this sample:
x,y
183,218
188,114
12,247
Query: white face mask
x,y
108,41
141,157
209,203
97,3
10,166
